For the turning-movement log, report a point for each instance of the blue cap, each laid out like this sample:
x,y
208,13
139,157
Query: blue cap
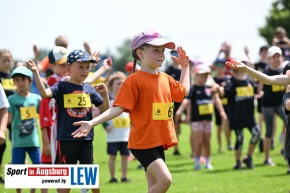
x,y
22,70
79,56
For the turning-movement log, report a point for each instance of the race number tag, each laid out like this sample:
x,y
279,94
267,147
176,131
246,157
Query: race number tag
x,y
205,109
78,100
162,111
121,122
8,84
245,91
28,113
224,101
277,88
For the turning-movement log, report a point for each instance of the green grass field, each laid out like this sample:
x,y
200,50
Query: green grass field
x,y
222,179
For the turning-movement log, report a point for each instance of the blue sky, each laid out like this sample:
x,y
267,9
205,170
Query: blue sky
x,y
199,26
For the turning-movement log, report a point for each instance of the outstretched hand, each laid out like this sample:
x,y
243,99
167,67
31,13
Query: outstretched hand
x,y
182,57
31,66
83,130
236,65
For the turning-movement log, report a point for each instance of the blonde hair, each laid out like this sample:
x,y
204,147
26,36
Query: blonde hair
x,y
116,75
6,51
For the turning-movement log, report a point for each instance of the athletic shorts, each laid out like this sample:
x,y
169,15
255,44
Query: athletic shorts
x,y
218,119
114,147
147,156
19,154
204,126
70,152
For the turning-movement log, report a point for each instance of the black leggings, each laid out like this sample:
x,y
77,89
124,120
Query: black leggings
x,y
255,131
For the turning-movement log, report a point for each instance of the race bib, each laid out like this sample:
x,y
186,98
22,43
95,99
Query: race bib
x,y
245,91
205,109
277,88
8,84
121,122
224,101
162,111
28,113
78,100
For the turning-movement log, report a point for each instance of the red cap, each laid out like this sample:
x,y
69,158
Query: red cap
x,y
129,66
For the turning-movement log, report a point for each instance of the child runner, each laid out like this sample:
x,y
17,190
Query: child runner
x,y
150,94
74,101
200,100
240,93
271,103
6,64
117,131
282,80
23,110
220,78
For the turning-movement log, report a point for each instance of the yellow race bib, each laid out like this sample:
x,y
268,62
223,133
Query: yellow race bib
x,y
162,111
8,84
245,91
224,101
205,109
28,112
121,122
277,88
77,100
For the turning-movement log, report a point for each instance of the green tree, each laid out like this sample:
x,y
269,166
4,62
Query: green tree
x,y
279,16
123,56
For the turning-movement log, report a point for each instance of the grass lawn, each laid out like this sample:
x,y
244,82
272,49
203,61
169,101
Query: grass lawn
x,y
222,179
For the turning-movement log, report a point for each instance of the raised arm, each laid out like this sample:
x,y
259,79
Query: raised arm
x,y
46,93
269,80
102,89
182,60
86,126
107,65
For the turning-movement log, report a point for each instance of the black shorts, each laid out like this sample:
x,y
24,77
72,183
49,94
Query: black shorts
x,y
70,152
218,119
147,156
114,147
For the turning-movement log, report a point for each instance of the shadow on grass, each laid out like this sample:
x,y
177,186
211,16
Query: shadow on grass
x,y
275,175
214,171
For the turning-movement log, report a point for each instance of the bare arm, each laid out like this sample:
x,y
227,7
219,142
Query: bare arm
x,y
183,61
269,80
102,89
45,141
219,106
46,93
3,124
86,126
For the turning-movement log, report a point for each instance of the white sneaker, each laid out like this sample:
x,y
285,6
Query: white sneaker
x,y
208,166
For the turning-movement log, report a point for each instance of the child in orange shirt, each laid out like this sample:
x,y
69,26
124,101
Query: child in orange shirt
x,y
149,93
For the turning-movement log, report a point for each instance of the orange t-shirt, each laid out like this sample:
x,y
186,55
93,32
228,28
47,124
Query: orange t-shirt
x,y
139,95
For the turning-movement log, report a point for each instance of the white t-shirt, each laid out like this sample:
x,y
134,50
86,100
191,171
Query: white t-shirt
x,y
3,99
120,127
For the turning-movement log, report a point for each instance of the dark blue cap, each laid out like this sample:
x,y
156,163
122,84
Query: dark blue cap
x,y
79,56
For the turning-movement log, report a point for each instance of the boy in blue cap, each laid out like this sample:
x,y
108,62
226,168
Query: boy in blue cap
x,y
74,100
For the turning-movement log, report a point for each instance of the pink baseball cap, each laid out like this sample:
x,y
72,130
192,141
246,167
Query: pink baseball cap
x,y
150,37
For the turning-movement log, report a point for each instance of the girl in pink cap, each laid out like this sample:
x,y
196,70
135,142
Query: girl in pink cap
x,y
148,96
